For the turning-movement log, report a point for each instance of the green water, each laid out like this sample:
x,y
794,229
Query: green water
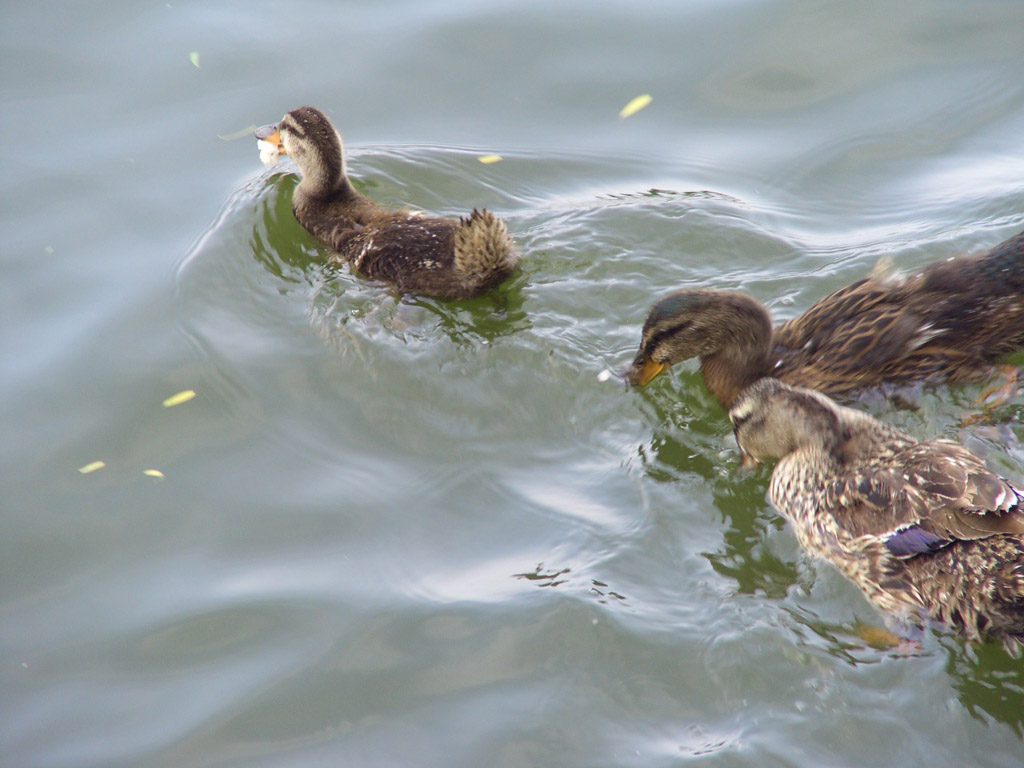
x,y
428,533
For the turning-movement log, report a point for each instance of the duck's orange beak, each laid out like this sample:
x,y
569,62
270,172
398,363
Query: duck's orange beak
x,y
643,370
272,135
747,461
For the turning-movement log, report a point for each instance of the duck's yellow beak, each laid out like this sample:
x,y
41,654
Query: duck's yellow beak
x,y
272,135
643,370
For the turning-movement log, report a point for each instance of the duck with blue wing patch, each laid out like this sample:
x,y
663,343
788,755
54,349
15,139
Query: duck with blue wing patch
x,y
925,529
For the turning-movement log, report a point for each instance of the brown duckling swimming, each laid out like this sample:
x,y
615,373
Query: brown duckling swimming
x,y
952,321
446,258
923,528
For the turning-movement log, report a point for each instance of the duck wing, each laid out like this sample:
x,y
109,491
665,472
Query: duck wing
x,y
925,497
952,319
851,338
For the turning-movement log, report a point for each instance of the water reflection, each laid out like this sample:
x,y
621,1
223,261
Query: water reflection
x,y
542,576
692,439
545,577
278,241
498,313
988,680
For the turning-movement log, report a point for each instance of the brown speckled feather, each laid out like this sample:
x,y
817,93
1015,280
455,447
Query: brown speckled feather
x,y
950,321
938,487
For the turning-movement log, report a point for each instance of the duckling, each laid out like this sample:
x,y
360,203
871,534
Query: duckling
x,y
923,528
952,321
440,257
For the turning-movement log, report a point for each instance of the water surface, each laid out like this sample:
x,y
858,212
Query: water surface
x,y
414,532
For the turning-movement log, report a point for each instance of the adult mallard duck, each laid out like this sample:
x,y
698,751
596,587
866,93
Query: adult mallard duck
x,y
952,321
446,258
923,528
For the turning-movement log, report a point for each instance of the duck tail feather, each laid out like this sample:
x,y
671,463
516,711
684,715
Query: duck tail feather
x,y
482,245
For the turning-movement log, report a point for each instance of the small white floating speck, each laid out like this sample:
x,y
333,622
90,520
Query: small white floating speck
x,y
605,375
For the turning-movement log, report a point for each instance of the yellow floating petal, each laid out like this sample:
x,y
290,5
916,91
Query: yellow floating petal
x,y
182,397
635,106
154,473
488,159
92,467
194,58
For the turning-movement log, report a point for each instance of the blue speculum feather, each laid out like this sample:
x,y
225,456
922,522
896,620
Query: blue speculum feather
x,y
913,541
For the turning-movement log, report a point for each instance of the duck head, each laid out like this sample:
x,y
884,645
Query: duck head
x,y
308,137
772,419
728,330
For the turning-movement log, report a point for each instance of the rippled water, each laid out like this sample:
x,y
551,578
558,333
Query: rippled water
x,y
414,532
